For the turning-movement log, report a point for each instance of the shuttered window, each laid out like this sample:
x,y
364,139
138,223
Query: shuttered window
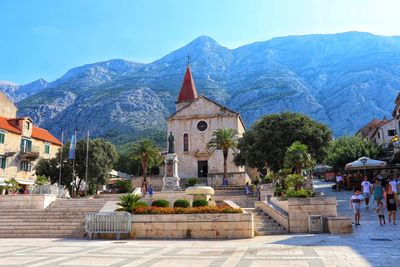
x,y
2,137
3,163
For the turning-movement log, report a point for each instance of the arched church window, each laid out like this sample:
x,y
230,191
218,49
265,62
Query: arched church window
x,y
185,142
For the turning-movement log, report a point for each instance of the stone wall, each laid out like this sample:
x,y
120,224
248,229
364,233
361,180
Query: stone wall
x,y
338,225
234,178
196,226
26,201
300,209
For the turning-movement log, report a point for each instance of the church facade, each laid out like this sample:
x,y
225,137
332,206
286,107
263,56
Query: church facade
x,y
193,123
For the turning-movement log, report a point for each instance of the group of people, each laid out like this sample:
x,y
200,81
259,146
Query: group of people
x,y
384,194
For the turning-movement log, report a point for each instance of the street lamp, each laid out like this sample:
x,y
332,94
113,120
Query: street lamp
x,y
364,161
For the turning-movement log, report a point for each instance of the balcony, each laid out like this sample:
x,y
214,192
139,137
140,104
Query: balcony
x,y
29,154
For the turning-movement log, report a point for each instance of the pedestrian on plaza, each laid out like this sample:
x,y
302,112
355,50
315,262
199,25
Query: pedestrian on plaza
x,y
355,204
393,184
380,211
339,181
377,192
391,203
247,189
150,191
366,187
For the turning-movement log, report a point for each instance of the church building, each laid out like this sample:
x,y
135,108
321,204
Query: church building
x,y
192,125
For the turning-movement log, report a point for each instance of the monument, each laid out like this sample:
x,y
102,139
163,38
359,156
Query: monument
x,y
171,178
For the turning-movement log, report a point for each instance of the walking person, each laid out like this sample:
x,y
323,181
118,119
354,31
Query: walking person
x,y
150,191
380,211
366,187
355,203
377,192
391,203
339,181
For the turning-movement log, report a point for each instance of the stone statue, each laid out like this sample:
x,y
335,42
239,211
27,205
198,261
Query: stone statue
x,y
171,147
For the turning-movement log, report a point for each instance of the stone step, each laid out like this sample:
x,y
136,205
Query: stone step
x,y
40,235
37,227
42,231
41,220
274,232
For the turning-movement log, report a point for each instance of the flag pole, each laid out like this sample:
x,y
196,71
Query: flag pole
x,y
73,163
61,151
87,162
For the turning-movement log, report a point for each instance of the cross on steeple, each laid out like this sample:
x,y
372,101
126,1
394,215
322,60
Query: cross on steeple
x,y
188,58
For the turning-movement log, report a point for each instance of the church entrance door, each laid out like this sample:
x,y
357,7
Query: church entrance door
x,y
202,169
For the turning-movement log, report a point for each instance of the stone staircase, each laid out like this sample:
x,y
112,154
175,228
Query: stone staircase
x,y
237,196
64,218
265,225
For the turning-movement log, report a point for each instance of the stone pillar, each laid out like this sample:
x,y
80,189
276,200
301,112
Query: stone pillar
x,y
171,178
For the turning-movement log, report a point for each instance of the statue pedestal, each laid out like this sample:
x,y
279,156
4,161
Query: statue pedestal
x,y
171,178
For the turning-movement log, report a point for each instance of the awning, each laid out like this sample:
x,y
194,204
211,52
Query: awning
x,y
366,163
23,181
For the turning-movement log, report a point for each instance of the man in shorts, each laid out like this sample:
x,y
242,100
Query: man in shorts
x,y
366,189
355,203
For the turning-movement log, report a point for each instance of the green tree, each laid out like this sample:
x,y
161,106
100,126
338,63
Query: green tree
x,y
102,157
148,153
297,156
347,149
264,145
224,139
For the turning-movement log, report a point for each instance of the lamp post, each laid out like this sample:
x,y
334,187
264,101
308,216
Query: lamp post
x,y
364,161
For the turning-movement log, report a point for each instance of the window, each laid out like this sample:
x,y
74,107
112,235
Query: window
x,y
2,137
391,132
185,142
202,126
379,136
27,125
47,148
3,163
26,145
25,166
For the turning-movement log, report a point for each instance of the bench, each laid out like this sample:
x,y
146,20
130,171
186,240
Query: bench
x,y
108,223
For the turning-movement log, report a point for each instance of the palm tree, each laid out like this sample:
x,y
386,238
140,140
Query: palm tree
x,y
224,139
297,156
147,152
130,202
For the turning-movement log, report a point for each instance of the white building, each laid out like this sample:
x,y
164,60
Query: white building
x,y
193,123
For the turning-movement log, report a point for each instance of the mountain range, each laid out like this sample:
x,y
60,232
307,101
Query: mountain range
x,y
343,80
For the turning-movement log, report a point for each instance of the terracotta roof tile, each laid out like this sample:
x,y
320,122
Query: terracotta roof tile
x,y
44,135
37,133
5,124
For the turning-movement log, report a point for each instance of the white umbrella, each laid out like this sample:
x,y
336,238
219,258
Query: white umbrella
x,y
365,163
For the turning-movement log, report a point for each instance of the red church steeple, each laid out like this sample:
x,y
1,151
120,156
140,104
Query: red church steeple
x,y
188,90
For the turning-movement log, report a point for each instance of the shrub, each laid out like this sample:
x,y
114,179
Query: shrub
x,y
181,203
194,210
294,181
123,186
192,181
200,203
160,203
301,193
130,202
41,180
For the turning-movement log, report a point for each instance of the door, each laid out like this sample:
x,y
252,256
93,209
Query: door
x,y
202,170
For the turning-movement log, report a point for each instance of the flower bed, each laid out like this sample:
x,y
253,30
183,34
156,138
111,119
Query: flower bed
x,y
195,210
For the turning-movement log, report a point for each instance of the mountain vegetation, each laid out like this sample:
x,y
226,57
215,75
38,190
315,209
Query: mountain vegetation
x,y
342,80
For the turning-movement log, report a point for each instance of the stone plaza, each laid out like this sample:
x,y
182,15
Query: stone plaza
x,y
368,245
365,247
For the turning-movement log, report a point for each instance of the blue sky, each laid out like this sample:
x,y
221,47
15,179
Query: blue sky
x,y
45,38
